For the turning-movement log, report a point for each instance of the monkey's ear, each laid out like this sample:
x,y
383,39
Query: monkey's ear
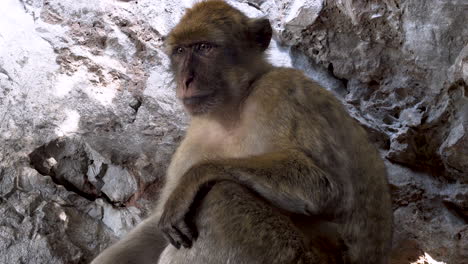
x,y
261,32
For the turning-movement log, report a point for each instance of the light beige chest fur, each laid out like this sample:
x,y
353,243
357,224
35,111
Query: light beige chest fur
x,y
208,140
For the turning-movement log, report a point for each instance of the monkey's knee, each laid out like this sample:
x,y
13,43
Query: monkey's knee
x,y
242,224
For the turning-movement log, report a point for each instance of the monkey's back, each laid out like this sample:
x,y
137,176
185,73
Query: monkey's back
x,y
317,123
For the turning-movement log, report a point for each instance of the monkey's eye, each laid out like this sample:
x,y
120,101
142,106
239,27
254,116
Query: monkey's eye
x,y
179,50
203,47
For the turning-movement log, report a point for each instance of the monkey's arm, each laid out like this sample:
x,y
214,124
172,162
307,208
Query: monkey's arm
x,y
282,178
143,245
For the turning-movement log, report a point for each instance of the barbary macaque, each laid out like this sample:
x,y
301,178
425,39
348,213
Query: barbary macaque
x,y
272,169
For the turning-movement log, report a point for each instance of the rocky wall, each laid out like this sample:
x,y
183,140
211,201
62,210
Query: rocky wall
x,y
89,120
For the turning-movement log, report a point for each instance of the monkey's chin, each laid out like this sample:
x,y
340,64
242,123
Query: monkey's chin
x,y
199,105
196,110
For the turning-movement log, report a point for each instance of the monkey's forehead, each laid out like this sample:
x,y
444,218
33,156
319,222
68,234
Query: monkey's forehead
x,y
213,21
213,10
186,35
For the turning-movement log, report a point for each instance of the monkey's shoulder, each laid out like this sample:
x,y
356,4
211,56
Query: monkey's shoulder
x,y
283,85
282,76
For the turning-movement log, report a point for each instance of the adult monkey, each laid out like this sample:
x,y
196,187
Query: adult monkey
x,y
272,168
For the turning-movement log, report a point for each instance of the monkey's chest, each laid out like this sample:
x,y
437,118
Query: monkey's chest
x,y
237,144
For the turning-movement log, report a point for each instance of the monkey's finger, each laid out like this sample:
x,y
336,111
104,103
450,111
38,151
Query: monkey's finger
x,y
188,232
182,237
171,240
193,230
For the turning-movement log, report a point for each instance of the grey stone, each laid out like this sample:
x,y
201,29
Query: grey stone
x,y
89,120
119,184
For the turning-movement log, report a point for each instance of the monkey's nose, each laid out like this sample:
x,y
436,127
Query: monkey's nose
x,y
188,80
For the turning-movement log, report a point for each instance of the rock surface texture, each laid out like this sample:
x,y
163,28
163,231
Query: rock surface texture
x,y
89,120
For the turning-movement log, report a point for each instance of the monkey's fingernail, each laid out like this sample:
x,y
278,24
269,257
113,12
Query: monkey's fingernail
x,y
194,233
187,243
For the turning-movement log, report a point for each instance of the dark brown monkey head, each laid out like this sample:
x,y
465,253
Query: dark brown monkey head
x,y
216,53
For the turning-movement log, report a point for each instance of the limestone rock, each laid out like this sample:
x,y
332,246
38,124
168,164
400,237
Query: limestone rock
x,y
89,120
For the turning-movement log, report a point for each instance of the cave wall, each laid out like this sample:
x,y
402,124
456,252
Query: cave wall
x,y
88,117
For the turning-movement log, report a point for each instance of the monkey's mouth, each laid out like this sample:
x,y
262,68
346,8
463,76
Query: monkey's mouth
x,y
196,100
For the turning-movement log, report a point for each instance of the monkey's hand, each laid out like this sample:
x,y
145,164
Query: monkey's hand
x,y
176,222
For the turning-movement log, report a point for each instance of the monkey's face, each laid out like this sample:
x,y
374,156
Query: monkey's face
x,y
214,51
199,69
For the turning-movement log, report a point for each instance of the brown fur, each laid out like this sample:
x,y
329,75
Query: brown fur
x,y
272,168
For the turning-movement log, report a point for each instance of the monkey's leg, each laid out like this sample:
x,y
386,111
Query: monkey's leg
x,y
237,226
143,245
